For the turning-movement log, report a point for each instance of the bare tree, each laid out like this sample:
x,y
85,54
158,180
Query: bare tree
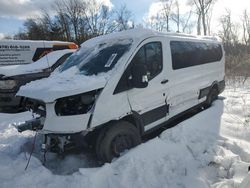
x,y
166,11
155,22
161,21
176,15
123,18
50,27
97,17
209,19
63,19
181,19
202,8
246,27
72,10
34,29
77,20
229,30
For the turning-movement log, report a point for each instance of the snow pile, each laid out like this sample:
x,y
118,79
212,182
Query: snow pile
x,y
45,62
211,149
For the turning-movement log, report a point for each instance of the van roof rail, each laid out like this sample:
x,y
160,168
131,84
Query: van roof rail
x,y
210,38
190,35
178,34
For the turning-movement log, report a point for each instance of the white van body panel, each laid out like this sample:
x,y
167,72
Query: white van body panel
x,y
102,113
185,84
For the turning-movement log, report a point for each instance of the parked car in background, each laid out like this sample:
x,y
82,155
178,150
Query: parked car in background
x,y
121,86
14,76
17,52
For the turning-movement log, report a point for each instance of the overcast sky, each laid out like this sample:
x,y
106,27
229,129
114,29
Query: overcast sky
x,y
14,12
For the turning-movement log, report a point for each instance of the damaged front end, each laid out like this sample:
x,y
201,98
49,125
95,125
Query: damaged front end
x,y
63,123
38,108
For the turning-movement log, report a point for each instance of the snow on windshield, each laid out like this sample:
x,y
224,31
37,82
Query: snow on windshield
x,y
99,58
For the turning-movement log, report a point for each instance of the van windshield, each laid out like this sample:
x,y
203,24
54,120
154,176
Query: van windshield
x,y
98,59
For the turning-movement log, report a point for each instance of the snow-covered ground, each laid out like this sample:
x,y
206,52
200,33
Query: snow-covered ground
x,y
210,149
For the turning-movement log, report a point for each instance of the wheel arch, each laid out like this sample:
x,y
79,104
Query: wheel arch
x,y
135,119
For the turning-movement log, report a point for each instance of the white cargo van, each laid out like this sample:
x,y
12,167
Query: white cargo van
x,y
17,52
121,86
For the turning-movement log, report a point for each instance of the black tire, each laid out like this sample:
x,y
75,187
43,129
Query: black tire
x,y
115,139
212,96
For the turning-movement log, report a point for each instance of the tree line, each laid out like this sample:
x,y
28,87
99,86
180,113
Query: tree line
x,y
76,20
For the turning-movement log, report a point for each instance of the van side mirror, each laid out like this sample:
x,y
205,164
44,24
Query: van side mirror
x,y
139,75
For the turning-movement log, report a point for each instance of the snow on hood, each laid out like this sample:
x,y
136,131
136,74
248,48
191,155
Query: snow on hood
x,y
63,84
45,62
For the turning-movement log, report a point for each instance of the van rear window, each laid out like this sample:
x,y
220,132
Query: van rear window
x,y
187,54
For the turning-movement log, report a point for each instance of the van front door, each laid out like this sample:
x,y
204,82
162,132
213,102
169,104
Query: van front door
x,y
150,102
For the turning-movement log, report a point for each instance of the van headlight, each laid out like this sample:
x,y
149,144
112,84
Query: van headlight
x,y
8,84
76,104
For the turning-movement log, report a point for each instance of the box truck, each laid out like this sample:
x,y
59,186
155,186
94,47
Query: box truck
x,y
16,52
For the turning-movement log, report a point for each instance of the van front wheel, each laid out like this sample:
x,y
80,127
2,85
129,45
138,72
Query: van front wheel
x,y
116,139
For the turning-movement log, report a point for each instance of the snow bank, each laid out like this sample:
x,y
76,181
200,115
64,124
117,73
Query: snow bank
x,y
211,149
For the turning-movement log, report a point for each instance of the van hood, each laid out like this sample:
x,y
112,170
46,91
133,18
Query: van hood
x,y
63,84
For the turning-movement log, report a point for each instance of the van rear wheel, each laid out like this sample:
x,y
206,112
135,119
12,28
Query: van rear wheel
x,y
116,139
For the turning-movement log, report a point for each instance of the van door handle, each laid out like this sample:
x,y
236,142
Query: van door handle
x,y
164,81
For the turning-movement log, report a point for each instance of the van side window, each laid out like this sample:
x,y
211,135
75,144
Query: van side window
x,y
151,55
187,54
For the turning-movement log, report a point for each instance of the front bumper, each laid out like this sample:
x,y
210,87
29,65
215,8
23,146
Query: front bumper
x,y
55,124
60,133
32,125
